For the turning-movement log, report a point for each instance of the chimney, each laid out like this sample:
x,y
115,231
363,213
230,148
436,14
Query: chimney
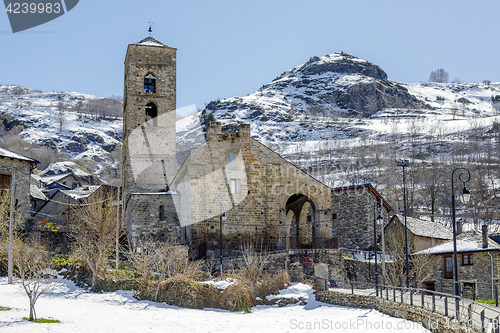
x,y
244,129
484,230
214,128
460,225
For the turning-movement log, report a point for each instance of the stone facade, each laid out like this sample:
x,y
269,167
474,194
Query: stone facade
x,y
149,149
477,275
266,199
21,169
354,209
260,197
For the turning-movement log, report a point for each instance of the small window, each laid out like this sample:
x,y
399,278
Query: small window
x,y
448,267
161,213
151,114
467,259
5,182
149,83
334,216
234,187
231,161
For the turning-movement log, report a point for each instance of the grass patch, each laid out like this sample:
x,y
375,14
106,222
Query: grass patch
x,y
43,321
5,308
486,301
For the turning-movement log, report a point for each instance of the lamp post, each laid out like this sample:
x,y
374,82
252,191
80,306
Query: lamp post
x,y
405,163
376,220
222,219
465,196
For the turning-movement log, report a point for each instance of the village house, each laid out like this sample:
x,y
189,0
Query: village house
x,y
478,265
52,220
354,209
15,171
421,234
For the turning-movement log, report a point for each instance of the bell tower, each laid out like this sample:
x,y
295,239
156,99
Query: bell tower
x,y
149,103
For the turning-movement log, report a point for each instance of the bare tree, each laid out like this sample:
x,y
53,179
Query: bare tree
x,y
32,264
94,231
439,75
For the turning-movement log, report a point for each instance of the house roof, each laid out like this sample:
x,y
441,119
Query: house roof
x,y
471,241
81,192
36,193
48,180
6,153
425,228
370,187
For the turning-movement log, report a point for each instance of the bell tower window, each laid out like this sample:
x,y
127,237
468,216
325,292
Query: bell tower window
x,y
151,114
149,83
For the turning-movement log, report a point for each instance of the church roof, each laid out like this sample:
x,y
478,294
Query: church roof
x,y
150,41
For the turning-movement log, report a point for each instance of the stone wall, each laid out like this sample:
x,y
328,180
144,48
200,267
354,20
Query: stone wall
x,y
353,209
393,309
22,172
253,191
150,216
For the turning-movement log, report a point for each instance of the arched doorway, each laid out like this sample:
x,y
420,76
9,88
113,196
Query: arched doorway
x,y
300,222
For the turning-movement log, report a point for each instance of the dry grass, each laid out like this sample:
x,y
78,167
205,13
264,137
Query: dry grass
x,y
185,292
238,297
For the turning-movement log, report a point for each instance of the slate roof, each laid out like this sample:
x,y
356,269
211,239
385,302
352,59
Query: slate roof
x,y
150,41
81,192
370,187
48,180
10,154
471,241
36,193
425,228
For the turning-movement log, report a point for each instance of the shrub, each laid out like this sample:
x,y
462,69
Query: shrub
x,y
184,292
439,98
238,297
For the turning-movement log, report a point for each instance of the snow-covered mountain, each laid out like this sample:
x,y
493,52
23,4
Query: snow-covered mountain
x,y
71,123
319,100
333,97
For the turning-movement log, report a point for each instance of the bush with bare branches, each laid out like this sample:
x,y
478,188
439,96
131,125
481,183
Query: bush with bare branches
x,y
94,232
32,265
157,261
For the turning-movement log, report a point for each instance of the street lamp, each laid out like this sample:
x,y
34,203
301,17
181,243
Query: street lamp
x,y
376,220
405,163
464,197
222,219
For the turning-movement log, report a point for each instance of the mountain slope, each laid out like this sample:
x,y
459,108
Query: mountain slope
x,y
315,100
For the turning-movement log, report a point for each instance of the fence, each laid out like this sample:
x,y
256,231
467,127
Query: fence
x,y
465,313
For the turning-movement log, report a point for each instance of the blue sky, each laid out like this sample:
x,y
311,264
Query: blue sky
x,y
231,48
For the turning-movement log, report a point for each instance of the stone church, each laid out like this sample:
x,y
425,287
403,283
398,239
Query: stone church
x,y
231,186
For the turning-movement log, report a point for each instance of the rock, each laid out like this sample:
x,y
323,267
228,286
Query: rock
x,y
75,147
80,139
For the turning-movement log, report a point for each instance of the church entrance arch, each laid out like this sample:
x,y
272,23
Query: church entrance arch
x,y
300,222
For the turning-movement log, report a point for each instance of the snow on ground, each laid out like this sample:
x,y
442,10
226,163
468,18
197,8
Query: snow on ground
x,y
81,311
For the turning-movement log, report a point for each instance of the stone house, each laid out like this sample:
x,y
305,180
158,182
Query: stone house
x,y
17,167
53,218
478,265
50,184
354,209
421,234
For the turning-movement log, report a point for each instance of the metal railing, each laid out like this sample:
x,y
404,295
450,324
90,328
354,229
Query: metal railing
x,y
462,312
